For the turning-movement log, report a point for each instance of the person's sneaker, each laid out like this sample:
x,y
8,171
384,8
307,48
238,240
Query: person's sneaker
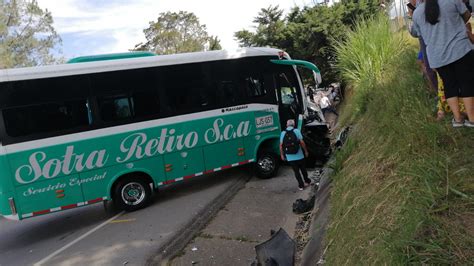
x,y
468,123
300,188
457,124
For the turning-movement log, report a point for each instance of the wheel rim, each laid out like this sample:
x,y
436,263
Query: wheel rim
x,y
133,193
266,164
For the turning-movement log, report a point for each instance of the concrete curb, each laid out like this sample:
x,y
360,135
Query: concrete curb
x,y
314,249
172,247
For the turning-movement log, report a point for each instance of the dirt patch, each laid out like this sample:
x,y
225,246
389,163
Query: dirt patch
x,y
468,221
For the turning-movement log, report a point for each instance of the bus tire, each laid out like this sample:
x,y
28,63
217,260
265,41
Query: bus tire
x,y
267,165
131,194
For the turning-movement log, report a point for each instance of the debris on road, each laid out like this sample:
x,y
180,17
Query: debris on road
x,y
280,249
302,206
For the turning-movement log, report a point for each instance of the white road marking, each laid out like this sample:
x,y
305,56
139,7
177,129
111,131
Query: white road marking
x,y
43,261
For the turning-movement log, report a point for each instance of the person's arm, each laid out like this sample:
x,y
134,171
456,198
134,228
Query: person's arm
x,y
466,16
282,155
303,146
469,32
414,31
411,7
463,11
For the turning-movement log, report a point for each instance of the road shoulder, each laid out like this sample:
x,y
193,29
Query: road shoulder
x,y
248,218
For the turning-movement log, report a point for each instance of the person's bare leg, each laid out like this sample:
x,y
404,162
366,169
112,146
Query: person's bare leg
x,y
453,103
469,104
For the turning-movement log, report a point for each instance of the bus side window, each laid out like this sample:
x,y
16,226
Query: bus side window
x,y
89,112
115,109
255,86
288,94
145,103
45,118
227,92
187,89
226,84
127,95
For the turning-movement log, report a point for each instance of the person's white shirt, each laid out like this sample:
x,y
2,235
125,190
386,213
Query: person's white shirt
x,y
324,102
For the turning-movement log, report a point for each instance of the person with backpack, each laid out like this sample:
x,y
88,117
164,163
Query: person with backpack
x,y
291,150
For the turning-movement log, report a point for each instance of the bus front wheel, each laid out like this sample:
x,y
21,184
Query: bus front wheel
x,y
131,194
267,165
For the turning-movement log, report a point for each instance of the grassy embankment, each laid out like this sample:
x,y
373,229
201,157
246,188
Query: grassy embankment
x,y
404,183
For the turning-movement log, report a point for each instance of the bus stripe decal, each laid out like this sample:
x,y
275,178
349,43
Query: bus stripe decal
x,y
169,182
71,206
205,172
94,200
40,212
66,207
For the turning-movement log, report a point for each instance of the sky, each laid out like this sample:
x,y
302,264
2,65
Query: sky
x,y
90,27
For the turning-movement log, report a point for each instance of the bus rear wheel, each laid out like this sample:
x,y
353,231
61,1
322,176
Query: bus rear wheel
x,y
131,194
267,165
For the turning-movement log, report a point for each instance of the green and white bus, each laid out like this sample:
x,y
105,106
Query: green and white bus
x,y
76,134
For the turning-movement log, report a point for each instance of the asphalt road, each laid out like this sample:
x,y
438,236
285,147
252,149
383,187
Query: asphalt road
x,y
99,235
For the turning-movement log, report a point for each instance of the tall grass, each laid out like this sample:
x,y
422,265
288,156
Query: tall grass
x,y
365,55
404,185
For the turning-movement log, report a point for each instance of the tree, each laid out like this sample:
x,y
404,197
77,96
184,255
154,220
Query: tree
x,y
308,33
27,35
177,33
269,27
214,43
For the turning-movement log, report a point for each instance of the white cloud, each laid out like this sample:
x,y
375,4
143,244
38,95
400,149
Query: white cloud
x,y
124,21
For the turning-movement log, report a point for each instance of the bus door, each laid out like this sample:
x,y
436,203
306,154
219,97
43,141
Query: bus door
x,y
289,102
292,101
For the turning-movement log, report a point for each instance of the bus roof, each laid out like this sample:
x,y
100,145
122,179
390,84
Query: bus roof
x,y
103,57
131,63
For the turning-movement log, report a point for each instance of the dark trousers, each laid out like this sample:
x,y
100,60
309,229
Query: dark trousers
x,y
300,165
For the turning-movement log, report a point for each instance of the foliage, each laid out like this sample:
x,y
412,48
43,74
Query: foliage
x,y
270,26
307,33
365,55
27,36
403,190
214,43
177,33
